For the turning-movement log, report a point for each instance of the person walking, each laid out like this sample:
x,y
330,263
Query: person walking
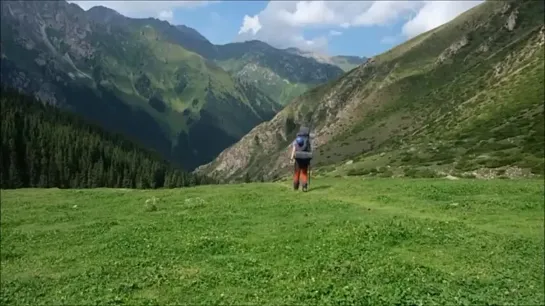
x,y
301,155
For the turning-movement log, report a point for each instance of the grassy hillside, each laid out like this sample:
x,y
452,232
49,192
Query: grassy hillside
x,y
347,241
43,146
130,75
465,97
280,74
346,63
276,87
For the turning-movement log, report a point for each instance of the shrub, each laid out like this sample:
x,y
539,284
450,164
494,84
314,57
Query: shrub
x,y
387,173
465,164
149,205
420,173
499,162
357,172
446,161
406,158
535,164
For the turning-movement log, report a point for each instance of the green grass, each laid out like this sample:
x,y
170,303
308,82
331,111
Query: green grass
x,y
267,80
346,63
347,241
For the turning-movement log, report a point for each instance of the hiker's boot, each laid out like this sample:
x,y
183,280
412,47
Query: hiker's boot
x,y
305,188
296,186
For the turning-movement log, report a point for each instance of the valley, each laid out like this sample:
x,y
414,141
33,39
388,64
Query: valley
x,y
463,98
458,100
163,86
141,164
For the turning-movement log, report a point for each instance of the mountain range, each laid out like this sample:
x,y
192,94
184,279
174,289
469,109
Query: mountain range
x,y
164,86
464,97
345,62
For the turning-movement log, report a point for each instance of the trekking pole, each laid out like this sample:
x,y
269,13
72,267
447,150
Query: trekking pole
x,y
310,136
308,175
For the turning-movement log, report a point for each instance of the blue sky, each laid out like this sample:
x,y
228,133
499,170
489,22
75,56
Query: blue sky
x,y
219,22
362,28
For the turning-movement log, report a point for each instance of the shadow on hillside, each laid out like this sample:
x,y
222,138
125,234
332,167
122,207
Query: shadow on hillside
x,y
321,187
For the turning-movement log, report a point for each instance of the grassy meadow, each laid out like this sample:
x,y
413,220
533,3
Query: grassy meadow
x,y
349,241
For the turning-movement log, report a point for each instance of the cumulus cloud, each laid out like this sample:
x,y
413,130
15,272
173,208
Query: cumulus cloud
x,y
250,24
335,33
384,12
142,9
435,13
166,15
282,23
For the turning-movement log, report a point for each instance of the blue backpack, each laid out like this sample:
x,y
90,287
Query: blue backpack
x,y
303,149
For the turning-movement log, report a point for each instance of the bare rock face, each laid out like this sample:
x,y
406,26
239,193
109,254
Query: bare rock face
x,y
511,21
485,47
47,94
40,62
541,40
505,8
20,80
53,31
452,50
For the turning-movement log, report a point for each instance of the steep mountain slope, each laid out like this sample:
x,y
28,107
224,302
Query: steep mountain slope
x,y
280,74
188,38
466,95
45,147
344,62
129,75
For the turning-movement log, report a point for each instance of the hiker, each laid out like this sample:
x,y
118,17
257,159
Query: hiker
x,y
301,153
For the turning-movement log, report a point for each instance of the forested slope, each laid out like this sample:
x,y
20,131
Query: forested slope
x,y
43,146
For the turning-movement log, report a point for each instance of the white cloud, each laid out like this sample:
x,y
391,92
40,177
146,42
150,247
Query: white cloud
x,y
384,12
308,13
335,33
250,24
434,14
166,15
142,9
282,23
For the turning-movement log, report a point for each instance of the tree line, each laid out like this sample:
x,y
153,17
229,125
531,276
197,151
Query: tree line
x,y
43,146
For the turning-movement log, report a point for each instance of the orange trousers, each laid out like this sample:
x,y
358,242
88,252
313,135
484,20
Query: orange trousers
x,y
300,175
